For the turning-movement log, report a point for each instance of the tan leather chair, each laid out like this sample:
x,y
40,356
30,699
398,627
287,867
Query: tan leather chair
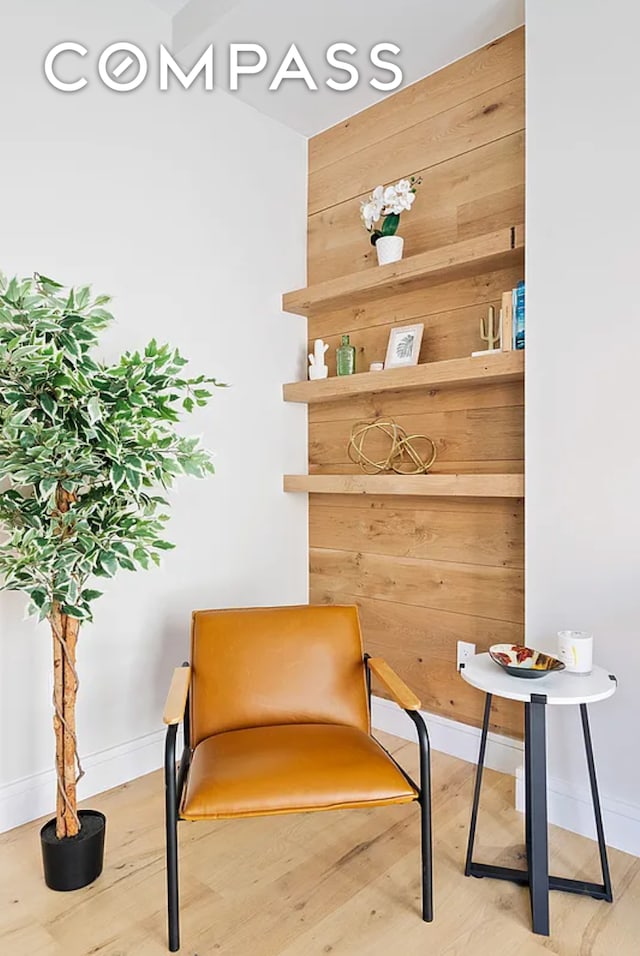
x,y
276,713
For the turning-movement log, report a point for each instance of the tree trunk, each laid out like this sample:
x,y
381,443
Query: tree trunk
x,y
64,632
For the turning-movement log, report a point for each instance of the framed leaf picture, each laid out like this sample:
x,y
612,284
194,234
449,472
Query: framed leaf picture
x,y
404,346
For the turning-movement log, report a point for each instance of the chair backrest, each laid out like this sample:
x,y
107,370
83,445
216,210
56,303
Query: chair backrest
x,y
257,667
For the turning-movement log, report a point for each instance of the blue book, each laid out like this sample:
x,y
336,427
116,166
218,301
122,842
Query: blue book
x,y
518,316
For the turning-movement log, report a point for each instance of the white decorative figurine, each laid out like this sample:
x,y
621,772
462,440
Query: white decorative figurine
x,y
317,367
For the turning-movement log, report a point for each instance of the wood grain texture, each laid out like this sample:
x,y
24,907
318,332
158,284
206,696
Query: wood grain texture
x,y
480,590
420,401
344,883
473,434
471,194
463,127
421,645
468,486
177,696
467,257
507,366
425,570
430,529
395,687
478,72
438,306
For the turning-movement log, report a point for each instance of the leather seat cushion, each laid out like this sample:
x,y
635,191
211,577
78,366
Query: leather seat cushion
x,y
288,768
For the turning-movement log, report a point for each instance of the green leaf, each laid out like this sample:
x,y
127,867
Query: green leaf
x,y
390,224
163,545
21,417
47,486
109,563
90,595
49,405
82,297
93,409
188,405
38,596
141,557
70,345
43,280
133,478
191,467
72,611
116,476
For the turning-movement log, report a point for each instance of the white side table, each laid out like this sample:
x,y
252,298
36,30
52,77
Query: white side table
x,y
558,688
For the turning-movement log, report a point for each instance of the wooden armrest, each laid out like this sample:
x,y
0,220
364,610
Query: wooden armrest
x,y
402,694
177,696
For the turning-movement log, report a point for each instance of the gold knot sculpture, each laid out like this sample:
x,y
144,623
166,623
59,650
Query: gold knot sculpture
x,y
403,457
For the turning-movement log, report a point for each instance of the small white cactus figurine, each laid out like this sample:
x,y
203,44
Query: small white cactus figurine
x,y
317,367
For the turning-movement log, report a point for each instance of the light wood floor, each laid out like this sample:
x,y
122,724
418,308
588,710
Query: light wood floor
x,y
344,883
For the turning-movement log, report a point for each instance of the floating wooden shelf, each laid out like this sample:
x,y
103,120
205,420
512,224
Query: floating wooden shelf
x,y
497,250
504,367
466,486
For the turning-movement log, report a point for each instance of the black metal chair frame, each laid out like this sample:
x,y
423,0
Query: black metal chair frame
x,y
174,786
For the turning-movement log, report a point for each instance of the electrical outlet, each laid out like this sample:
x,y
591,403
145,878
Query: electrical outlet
x,y
465,650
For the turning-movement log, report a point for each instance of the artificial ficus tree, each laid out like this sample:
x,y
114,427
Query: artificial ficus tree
x,y
86,450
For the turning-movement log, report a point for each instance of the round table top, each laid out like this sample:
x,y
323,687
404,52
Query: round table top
x,y
560,687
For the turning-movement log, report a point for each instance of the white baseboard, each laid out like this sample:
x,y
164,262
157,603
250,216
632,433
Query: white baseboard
x,y
568,807
571,809
32,797
449,736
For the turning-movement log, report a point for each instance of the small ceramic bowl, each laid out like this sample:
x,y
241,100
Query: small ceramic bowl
x,y
520,661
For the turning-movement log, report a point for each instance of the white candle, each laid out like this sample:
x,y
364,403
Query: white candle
x,y
575,650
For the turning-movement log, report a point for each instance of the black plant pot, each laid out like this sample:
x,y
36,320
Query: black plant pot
x,y
76,861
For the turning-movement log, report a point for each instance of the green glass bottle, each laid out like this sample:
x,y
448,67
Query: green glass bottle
x,y
345,357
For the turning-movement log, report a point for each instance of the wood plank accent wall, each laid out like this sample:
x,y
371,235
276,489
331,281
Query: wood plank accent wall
x,y
429,572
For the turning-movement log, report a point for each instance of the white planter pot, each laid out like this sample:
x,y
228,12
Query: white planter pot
x,y
389,249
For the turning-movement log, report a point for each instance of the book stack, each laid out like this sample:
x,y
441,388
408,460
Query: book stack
x,y
512,324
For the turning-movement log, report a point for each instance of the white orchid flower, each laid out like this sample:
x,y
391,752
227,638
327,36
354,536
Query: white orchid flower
x,y
390,196
370,212
406,201
388,201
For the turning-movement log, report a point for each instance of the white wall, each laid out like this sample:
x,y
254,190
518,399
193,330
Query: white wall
x,y
583,343
190,209
430,35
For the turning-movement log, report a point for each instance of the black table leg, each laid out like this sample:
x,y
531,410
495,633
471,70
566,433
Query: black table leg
x,y
536,812
602,846
536,876
527,778
478,785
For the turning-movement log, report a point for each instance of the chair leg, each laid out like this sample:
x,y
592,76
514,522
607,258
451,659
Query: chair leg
x,y
427,862
425,816
171,819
